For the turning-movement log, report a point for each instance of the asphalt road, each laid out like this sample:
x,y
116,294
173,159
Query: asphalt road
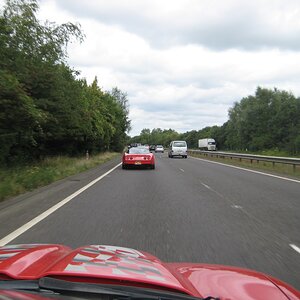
x,y
187,210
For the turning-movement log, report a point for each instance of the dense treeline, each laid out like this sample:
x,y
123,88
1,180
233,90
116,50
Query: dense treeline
x,y
44,108
157,136
269,120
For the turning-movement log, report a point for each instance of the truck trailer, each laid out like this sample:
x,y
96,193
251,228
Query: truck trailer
x,y
207,144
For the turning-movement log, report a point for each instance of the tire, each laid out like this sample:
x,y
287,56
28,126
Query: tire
x,y
153,167
123,166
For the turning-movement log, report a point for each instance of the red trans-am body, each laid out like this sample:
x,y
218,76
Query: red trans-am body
x,y
138,156
123,266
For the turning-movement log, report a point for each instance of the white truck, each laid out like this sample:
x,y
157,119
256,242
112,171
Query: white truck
x,y
207,144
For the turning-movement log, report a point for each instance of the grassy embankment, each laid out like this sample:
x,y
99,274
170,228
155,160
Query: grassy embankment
x,y
276,169
18,180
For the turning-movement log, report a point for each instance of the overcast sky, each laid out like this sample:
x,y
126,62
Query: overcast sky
x,y
183,63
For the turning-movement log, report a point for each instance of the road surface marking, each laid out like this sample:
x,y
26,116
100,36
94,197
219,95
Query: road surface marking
x,y
295,248
181,170
253,171
243,210
208,187
51,210
236,206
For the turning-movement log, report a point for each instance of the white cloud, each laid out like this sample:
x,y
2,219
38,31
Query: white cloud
x,y
184,63
213,23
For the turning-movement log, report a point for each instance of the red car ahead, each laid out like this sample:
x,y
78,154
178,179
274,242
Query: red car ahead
x,y
108,272
138,156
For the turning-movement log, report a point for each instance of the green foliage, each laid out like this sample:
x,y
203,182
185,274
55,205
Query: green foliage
x,y
157,137
270,119
18,110
44,108
27,38
121,123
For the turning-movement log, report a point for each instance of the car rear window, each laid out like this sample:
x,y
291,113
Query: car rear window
x,y
137,150
179,144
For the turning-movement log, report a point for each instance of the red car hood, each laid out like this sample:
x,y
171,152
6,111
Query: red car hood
x,y
118,265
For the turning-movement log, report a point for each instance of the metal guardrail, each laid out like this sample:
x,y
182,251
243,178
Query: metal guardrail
x,y
250,157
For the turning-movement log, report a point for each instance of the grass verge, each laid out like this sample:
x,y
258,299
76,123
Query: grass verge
x,y
18,180
277,169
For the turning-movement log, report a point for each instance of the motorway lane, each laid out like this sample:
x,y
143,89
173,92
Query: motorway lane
x,y
186,210
271,201
17,211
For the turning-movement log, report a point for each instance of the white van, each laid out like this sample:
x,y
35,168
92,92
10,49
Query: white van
x,y
178,148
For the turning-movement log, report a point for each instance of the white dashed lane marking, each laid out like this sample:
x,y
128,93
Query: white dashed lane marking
x,y
236,206
295,248
181,170
207,186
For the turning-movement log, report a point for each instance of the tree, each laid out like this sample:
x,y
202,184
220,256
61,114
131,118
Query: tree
x,y
122,122
44,107
267,120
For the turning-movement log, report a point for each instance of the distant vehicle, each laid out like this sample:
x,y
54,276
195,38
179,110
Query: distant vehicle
x,y
207,144
178,148
133,145
159,148
152,148
138,156
147,146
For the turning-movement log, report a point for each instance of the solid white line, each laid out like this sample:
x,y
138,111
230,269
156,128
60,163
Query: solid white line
x,y
51,210
295,248
252,171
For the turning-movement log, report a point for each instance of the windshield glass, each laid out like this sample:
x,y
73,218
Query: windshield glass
x,y
61,289
214,88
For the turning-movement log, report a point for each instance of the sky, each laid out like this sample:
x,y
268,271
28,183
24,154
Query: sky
x,y
183,63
